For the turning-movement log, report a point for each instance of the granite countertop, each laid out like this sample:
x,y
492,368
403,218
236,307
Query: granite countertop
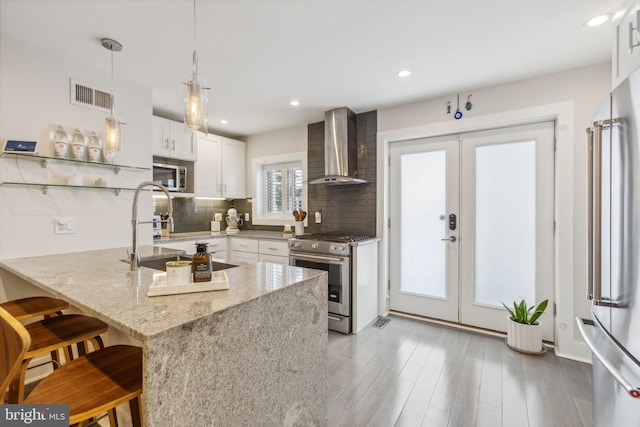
x,y
100,284
250,234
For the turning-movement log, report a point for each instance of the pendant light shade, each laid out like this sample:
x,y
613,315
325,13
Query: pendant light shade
x,y
112,134
195,100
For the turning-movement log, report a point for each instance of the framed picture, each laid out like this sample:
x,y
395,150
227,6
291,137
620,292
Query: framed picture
x,y
20,146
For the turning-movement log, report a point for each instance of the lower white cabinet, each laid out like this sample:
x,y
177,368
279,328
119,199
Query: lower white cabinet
x,y
250,251
237,250
217,246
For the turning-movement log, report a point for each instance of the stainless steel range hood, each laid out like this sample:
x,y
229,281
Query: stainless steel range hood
x,y
340,149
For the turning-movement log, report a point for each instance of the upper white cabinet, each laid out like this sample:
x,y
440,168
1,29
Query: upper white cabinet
x,y
220,168
172,139
626,44
233,168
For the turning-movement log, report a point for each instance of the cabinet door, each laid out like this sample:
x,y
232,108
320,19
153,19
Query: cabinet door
x,y
275,259
160,136
208,174
626,56
182,146
233,168
238,257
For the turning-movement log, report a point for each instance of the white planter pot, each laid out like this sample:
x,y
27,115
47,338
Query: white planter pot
x,y
524,338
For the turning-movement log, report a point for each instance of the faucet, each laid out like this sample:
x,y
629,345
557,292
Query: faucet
x,y
134,256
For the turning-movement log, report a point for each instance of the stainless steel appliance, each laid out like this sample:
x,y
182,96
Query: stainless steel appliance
x,y
331,252
614,257
173,177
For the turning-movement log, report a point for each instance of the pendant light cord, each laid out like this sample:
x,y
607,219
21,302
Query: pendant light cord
x,y
195,55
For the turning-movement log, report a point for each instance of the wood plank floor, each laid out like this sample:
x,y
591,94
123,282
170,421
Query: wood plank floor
x,y
413,373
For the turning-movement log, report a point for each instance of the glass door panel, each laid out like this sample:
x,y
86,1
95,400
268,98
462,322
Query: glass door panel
x,y
505,253
423,261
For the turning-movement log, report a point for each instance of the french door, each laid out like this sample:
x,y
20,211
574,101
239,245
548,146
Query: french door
x,y
472,224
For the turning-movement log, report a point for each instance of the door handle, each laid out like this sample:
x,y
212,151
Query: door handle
x,y
451,239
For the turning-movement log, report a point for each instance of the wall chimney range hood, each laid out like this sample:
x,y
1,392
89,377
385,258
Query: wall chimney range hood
x,y
340,149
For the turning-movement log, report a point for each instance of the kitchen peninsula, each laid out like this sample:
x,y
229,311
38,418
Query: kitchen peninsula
x,y
255,354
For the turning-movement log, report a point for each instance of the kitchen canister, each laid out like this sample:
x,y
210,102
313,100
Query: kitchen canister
x,y
299,228
178,272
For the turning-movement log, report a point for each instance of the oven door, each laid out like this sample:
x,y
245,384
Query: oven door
x,y
338,269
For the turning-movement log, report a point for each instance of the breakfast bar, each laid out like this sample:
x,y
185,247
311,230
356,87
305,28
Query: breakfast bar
x,y
255,354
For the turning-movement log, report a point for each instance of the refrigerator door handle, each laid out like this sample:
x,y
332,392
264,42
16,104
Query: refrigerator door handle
x,y
590,213
595,220
631,390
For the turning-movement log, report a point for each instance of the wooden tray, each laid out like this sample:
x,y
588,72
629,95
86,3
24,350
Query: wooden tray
x,y
219,281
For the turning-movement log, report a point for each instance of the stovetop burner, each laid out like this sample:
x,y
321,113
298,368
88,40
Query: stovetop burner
x,y
335,236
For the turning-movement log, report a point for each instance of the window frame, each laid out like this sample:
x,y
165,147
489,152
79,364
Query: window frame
x,y
258,201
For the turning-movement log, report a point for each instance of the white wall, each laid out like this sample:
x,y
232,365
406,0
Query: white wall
x,y
34,97
569,97
283,141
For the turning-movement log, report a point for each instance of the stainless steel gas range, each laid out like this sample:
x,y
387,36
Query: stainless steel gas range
x,y
333,253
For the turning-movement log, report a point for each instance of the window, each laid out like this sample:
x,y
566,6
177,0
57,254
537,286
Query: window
x,y
279,188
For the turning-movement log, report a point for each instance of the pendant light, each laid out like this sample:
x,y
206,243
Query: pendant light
x,y
195,101
112,135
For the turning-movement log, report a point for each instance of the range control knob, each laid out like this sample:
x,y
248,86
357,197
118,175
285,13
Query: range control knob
x,y
332,247
340,248
295,244
314,246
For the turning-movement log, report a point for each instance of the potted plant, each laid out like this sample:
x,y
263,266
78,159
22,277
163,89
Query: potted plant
x,y
524,332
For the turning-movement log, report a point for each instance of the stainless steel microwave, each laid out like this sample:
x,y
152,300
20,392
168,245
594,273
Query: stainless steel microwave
x,y
171,176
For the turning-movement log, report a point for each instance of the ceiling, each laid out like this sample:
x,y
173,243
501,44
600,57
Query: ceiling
x,y
259,55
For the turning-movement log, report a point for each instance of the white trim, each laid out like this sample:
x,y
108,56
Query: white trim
x,y
563,114
256,162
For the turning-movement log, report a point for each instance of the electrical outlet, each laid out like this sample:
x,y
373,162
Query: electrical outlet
x,y
64,225
318,217
246,217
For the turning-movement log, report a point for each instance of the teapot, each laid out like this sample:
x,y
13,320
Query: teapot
x,y
233,221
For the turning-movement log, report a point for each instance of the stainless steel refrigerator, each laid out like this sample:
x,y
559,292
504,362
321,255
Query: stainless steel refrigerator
x,y
614,257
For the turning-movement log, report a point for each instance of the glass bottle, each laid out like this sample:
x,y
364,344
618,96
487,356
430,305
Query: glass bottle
x,y
202,267
78,146
60,143
94,149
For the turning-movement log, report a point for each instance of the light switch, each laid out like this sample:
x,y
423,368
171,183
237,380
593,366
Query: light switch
x,y
64,225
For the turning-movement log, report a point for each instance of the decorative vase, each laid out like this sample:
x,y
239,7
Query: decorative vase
x,y
524,338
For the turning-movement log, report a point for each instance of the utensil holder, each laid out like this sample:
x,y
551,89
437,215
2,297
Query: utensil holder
x,y
299,228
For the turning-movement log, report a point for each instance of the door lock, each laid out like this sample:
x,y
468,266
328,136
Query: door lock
x,y
451,239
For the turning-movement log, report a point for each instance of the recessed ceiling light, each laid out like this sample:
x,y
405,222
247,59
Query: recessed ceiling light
x,y
404,73
598,20
224,122
294,103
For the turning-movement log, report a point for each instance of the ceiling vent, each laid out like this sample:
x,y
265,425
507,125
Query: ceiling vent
x,y
87,96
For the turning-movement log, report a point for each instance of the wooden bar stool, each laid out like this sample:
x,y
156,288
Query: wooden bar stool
x,y
90,384
27,308
56,333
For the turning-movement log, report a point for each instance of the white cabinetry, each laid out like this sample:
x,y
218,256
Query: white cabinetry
x,y
250,251
172,139
217,246
220,168
626,46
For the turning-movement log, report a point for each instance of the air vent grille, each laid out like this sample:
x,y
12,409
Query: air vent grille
x,y
87,96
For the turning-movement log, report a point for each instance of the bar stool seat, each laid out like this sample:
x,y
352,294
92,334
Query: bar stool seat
x,y
26,308
90,384
56,333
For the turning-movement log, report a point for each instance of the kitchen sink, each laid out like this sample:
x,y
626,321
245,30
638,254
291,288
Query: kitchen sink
x,y
160,263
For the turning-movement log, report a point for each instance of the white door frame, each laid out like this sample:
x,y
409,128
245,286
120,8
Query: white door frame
x,y
567,342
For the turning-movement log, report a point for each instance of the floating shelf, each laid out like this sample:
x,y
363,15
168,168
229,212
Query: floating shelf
x,y
44,160
45,187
